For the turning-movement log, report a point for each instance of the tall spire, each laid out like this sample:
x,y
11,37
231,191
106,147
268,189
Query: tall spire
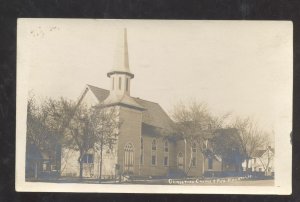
x,y
121,60
120,77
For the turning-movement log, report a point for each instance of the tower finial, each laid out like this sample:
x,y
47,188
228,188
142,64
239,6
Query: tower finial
x,y
126,57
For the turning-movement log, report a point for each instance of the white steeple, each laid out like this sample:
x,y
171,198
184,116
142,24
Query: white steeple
x,y
121,60
120,76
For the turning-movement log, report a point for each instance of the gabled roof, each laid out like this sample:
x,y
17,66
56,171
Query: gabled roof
x,y
259,153
153,114
100,93
272,150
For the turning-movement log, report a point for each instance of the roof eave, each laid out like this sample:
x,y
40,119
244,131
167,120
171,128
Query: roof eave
x,y
125,105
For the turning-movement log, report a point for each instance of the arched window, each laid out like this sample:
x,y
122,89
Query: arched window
x,y
153,152
153,145
194,147
166,153
180,160
194,154
142,151
128,158
166,146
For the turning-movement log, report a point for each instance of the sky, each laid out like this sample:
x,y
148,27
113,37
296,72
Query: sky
x,y
242,67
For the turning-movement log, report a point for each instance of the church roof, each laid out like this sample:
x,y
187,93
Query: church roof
x,y
153,114
260,152
100,93
125,100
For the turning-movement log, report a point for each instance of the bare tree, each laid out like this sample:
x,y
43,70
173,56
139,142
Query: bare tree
x,y
36,128
59,123
36,137
226,144
106,123
63,123
195,124
92,128
46,124
252,137
80,135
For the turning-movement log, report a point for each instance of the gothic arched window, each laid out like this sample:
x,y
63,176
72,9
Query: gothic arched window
x,y
142,151
166,153
166,146
153,152
128,158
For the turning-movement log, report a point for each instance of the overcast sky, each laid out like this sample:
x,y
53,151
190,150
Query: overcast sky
x,y
240,67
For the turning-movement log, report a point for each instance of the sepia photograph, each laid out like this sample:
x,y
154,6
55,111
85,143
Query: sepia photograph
x,y
154,106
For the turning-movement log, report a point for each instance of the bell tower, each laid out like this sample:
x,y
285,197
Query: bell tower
x,y
120,77
120,74
129,110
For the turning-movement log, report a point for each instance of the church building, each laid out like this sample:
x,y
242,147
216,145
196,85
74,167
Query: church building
x,y
143,147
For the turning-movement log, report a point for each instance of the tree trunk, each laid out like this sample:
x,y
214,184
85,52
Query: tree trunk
x,y
191,158
222,165
80,160
36,170
101,156
80,169
247,164
203,164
